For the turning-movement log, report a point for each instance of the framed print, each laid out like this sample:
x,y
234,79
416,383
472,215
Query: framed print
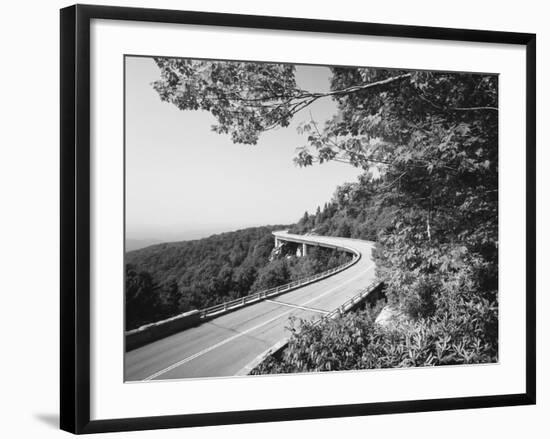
x,y
305,218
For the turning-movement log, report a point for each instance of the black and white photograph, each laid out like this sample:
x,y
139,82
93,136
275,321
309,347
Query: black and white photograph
x,y
294,218
275,220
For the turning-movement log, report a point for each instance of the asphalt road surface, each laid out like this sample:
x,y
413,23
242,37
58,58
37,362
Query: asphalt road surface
x,y
225,345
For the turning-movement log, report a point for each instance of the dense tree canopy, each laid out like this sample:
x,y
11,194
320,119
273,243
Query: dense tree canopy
x,y
244,112
428,142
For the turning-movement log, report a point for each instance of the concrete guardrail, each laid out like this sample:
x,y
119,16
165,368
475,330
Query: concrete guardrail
x,y
155,331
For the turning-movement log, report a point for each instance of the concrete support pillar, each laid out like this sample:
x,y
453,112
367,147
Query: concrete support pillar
x,y
277,242
304,249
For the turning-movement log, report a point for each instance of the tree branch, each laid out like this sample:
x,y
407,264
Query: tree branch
x,y
473,108
357,88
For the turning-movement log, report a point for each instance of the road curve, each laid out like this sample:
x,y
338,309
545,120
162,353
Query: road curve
x,y
225,345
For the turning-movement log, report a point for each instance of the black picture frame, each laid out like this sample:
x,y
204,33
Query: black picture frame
x,y
75,217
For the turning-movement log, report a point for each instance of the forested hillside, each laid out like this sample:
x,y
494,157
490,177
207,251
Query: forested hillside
x,y
356,210
166,279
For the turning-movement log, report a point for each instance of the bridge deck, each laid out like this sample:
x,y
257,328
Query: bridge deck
x,y
224,345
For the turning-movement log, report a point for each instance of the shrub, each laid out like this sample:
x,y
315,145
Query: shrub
x,y
467,335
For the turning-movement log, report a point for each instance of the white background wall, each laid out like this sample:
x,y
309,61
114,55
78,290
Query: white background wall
x,y
29,248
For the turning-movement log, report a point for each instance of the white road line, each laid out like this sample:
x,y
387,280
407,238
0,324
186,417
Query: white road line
x,y
291,305
227,340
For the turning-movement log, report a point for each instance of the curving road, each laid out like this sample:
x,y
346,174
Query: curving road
x,y
225,345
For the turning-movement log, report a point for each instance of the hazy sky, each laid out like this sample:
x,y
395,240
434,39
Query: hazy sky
x,y
184,181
